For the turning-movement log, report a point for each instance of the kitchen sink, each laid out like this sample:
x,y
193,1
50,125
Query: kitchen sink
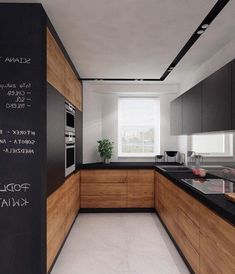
x,y
175,168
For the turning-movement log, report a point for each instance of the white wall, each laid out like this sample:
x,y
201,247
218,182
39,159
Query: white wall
x,y
102,102
92,124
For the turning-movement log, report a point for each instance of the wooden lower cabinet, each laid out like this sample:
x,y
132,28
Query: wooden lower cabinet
x,y
140,188
62,208
217,243
103,188
206,240
117,188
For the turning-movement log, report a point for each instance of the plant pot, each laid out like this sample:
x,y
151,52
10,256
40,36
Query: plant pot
x,y
106,161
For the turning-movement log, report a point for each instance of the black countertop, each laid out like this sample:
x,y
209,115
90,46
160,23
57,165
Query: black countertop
x,y
124,165
216,202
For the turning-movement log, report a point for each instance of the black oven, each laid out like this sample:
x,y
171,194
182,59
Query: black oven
x,y
70,152
69,117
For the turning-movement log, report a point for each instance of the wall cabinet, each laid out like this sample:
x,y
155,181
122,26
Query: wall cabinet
x,y
176,116
208,106
216,100
192,110
117,188
206,240
62,208
61,75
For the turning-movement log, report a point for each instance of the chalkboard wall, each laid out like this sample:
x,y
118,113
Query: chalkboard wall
x,y
22,139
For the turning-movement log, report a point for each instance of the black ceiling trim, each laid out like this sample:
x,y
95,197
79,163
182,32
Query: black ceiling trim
x,y
208,19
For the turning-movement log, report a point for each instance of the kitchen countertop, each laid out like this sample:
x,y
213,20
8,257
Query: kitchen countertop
x,y
124,165
216,202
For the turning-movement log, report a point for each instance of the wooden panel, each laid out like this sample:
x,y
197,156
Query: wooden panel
x,y
62,208
55,64
140,188
70,86
108,201
103,189
217,244
78,94
103,176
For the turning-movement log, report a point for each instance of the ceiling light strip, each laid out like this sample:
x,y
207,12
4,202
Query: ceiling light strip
x,y
198,32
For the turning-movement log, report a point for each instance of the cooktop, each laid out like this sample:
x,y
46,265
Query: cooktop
x,y
211,186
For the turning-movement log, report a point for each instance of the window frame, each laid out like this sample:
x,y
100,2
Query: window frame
x,y
156,129
228,144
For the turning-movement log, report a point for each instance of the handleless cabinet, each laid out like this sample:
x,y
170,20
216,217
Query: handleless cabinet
x,y
216,101
176,116
233,94
192,110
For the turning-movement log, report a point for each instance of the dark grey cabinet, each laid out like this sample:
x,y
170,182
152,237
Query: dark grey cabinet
x,y
192,110
55,139
176,116
233,94
216,101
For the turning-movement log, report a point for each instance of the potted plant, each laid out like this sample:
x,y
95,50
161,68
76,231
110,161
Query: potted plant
x,y
105,148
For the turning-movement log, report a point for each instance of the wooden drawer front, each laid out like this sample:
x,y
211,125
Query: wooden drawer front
x,y
78,94
217,244
187,203
140,195
62,208
100,189
103,176
70,83
188,239
55,64
141,176
109,201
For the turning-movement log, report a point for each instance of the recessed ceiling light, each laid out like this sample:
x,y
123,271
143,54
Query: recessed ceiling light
x,y
205,26
200,31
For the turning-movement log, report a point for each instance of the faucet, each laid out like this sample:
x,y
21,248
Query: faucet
x,y
198,159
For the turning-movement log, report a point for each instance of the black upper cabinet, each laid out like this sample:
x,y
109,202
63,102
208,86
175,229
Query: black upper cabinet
x,y
233,94
216,101
192,110
55,139
176,126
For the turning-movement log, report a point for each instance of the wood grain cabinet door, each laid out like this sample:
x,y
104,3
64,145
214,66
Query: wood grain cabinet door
x,y
140,189
70,84
217,244
55,64
103,188
78,94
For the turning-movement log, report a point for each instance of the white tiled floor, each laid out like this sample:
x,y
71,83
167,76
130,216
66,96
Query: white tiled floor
x,y
119,243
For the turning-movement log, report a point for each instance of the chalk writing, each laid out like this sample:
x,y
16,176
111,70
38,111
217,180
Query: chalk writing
x,y
15,60
13,202
18,151
12,187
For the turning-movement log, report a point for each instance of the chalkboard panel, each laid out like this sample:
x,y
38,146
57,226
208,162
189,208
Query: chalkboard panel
x,y
22,139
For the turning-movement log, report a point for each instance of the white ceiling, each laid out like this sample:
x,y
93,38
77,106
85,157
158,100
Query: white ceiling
x,y
137,38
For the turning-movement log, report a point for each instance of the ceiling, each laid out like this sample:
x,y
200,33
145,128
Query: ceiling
x,y
137,38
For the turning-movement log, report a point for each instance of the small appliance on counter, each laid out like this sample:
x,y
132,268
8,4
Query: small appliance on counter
x,y
171,156
159,158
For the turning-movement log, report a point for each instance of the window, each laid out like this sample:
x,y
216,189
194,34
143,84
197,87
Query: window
x,y
213,145
138,127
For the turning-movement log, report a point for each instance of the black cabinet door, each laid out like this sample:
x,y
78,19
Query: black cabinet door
x,y
233,94
216,101
176,116
192,110
55,139
79,137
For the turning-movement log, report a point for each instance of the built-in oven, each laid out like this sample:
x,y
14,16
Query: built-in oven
x,y
70,152
69,117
